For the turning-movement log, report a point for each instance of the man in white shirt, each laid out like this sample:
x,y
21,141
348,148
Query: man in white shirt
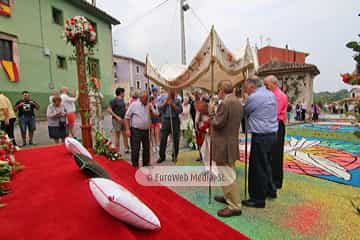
x,y
69,104
137,123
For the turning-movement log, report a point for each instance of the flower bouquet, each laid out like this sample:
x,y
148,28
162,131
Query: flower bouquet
x,y
189,136
8,164
103,146
79,27
352,79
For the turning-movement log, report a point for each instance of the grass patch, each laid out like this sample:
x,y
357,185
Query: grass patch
x,y
345,136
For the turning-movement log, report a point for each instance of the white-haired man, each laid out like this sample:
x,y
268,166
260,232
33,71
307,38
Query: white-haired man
x,y
137,123
260,112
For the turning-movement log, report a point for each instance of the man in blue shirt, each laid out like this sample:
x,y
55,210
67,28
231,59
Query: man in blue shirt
x,y
170,124
261,115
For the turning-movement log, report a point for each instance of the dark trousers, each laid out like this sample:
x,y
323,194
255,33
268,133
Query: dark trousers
x,y
9,129
138,137
277,156
165,132
260,179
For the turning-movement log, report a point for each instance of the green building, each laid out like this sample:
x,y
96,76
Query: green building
x,y
31,36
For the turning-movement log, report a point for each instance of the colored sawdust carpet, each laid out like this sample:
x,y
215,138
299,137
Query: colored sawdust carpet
x,y
327,127
306,208
334,160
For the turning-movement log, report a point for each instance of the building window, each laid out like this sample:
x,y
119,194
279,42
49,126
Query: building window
x,y
94,67
137,84
61,62
146,86
6,52
57,16
115,74
137,70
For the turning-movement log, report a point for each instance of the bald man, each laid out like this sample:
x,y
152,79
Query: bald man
x,y
277,153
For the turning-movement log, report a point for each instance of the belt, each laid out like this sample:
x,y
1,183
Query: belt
x,y
139,129
173,118
263,134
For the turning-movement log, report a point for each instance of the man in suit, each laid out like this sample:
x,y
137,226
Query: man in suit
x,y
170,109
225,124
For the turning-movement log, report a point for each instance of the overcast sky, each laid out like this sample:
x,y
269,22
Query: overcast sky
x,y
318,27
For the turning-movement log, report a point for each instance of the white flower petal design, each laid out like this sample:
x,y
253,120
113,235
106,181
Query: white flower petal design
x,y
294,148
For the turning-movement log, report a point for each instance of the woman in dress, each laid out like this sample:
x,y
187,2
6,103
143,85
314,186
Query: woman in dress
x,y
56,116
185,116
155,125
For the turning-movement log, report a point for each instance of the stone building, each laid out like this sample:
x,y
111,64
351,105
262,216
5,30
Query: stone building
x,y
355,93
296,77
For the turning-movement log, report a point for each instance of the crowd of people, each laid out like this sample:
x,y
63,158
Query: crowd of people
x,y
61,116
26,115
155,115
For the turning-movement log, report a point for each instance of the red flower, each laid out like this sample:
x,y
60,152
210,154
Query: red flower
x,y
345,78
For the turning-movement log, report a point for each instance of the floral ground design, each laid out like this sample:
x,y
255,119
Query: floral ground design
x,y
333,160
327,127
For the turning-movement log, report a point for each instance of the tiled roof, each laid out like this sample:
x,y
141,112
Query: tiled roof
x,y
83,4
278,67
117,56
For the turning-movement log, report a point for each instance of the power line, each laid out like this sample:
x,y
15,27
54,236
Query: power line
x,y
137,19
171,30
199,19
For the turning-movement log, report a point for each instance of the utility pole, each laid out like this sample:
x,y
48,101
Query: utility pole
x,y
183,8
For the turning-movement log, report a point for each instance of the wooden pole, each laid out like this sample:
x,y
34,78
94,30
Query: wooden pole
x,y
83,95
212,91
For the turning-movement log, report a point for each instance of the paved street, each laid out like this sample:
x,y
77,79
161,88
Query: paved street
x,y
41,137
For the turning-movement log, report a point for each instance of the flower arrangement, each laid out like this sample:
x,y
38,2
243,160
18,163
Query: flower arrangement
x,y
79,27
352,79
189,136
8,164
103,146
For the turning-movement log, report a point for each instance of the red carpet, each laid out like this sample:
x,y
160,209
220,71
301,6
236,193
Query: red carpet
x,y
51,199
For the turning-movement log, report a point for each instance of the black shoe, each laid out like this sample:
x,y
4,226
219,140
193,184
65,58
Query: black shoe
x,y
198,159
160,160
220,199
23,145
227,212
271,195
31,143
253,204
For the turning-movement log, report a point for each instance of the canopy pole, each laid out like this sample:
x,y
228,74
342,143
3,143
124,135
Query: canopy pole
x,y
246,146
212,90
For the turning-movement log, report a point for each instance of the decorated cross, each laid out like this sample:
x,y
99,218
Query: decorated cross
x,y
80,33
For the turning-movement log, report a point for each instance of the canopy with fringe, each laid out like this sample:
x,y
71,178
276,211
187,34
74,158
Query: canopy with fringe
x,y
212,64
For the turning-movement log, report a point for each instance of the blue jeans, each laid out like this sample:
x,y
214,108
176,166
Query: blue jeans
x,y
27,122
